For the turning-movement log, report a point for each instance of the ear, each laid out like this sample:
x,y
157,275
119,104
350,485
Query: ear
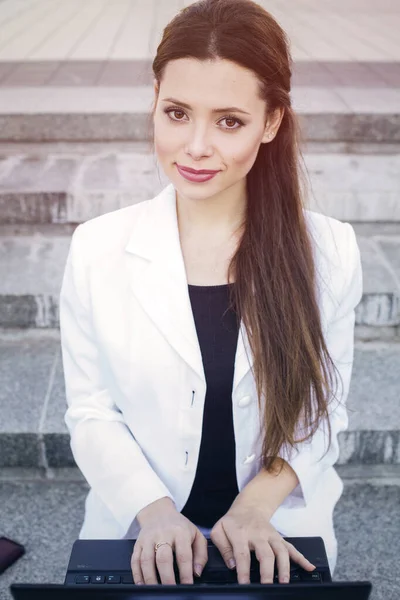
x,y
273,125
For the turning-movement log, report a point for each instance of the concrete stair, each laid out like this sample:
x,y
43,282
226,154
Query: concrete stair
x,y
32,403
104,113
47,189
72,182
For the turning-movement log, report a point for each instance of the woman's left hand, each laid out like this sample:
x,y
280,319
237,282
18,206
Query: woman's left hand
x,y
246,527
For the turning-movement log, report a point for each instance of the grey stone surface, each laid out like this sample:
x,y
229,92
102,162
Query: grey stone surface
x,y
138,72
73,186
19,449
122,113
58,450
380,279
31,269
369,447
33,431
26,171
370,100
57,405
101,173
26,364
55,433
374,395
391,251
351,127
367,523
33,207
46,517
32,266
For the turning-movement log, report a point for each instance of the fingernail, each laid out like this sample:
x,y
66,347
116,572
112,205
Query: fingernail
x,y
231,563
197,570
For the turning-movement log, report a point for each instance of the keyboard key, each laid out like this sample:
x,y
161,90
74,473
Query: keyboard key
x,y
98,579
113,579
127,578
295,577
82,579
311,576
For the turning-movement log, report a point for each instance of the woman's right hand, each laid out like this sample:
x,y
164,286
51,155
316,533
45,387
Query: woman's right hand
x,y
161,522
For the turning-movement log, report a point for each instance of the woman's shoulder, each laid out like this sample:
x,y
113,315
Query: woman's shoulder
x,y
110,232
329,237
337,257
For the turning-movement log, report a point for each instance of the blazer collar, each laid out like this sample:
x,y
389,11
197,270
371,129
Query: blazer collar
x,y
158,281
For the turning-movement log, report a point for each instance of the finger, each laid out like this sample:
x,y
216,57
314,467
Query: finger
x,y
147,563
221,540
135,565
266,558
165,564
200,553
241,552
282,560
234,547
299,558
184,558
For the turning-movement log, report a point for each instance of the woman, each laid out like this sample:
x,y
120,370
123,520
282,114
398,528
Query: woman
x,y
200,329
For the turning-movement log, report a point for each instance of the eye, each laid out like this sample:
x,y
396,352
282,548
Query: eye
x,y
227,118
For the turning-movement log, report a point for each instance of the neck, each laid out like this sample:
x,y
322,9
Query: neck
x,y
215,216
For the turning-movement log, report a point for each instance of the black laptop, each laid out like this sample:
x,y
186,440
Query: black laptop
x,y
101,569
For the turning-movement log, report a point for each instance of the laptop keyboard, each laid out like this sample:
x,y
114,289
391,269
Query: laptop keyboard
x,y
297,575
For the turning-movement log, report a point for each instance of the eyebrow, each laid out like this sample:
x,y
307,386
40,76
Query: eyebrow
x,y
215,110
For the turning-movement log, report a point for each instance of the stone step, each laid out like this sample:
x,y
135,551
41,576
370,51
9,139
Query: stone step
x,y
32,404
71,183
32,262
99,113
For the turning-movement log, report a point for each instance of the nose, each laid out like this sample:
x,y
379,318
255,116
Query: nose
x,y
199,143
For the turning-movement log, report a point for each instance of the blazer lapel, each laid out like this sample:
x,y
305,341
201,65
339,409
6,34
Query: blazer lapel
x,y
158,281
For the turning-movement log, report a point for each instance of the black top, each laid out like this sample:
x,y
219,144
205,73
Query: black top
x,y
215,485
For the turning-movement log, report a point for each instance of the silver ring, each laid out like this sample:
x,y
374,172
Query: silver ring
x,y
156,547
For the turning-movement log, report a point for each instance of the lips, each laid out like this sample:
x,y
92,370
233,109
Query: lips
x,y
202,172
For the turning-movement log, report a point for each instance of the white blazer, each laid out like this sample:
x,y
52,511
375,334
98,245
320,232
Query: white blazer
x,y
134,377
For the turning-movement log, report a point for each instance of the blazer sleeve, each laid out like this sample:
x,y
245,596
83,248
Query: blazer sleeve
x,y
103,446
308,463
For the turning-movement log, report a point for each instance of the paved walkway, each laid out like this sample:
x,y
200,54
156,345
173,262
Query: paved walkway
x,y
338,30
111,42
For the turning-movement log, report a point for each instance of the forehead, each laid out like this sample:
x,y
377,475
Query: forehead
x,y
211,83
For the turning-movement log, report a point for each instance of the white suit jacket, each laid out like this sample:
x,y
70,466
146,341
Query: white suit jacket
x,y
134,377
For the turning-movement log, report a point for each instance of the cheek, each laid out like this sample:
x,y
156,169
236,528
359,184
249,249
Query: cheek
x,y
245,155
164,142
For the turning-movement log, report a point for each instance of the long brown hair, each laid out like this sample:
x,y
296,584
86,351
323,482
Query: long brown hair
x,y
275,286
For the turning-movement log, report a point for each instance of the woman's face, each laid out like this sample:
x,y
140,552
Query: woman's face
x,y
199,138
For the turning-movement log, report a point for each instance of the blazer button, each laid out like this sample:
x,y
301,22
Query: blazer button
x,y
249,459
244,401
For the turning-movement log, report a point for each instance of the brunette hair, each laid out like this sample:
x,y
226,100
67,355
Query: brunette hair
x,y
275,284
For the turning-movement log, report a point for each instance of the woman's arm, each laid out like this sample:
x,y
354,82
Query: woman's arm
x,y
102,445
304,469
308,463
268,490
